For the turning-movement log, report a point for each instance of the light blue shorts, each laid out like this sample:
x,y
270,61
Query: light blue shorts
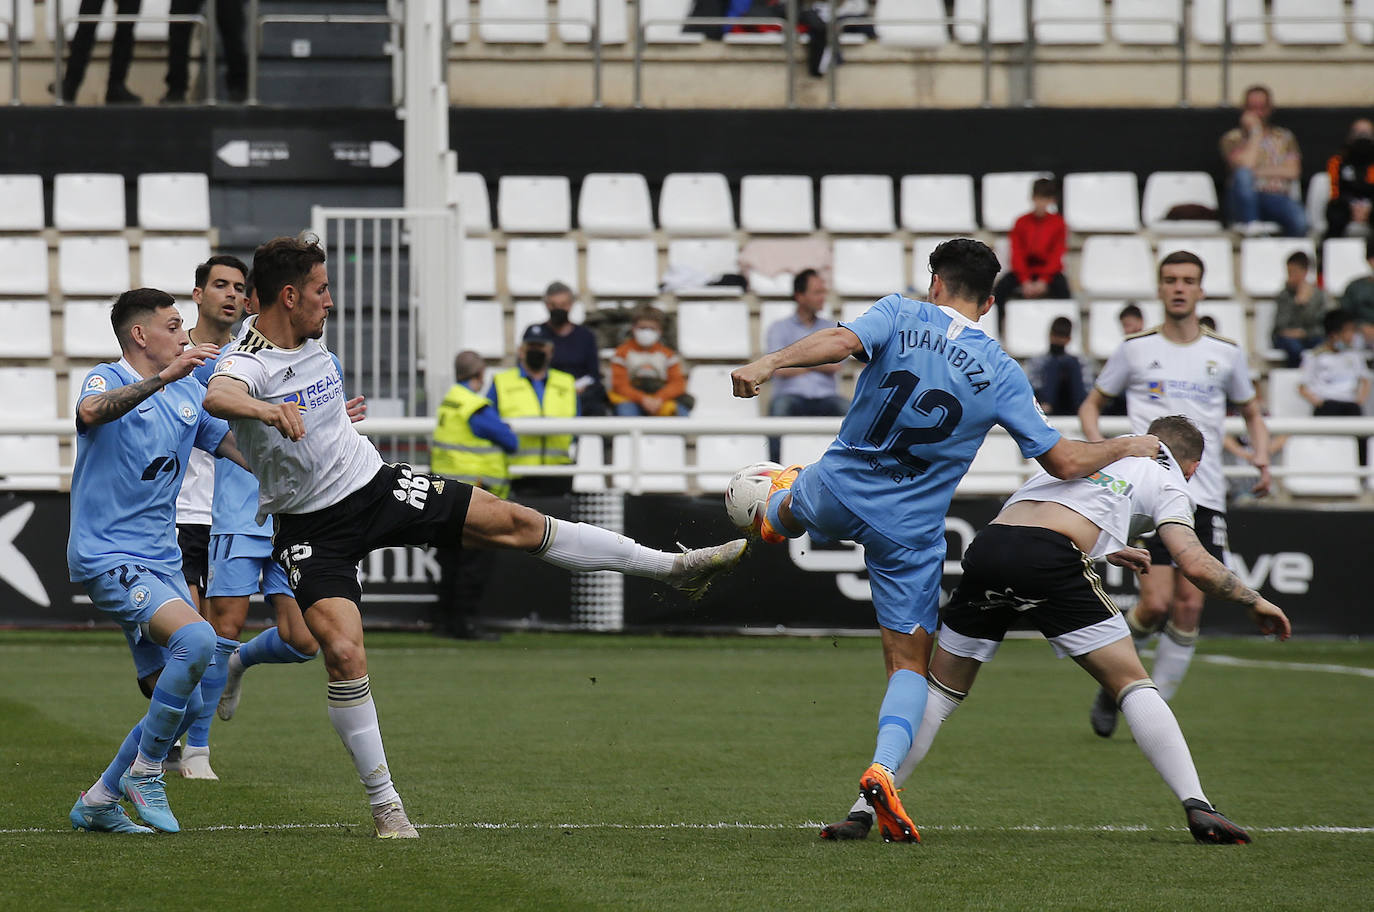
x,y
132,594
905,581
243,565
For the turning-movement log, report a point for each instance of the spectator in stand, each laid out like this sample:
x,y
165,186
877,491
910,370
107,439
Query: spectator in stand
x,y
532,389
1132,321
1265,165
1359,298
804,391
1335,378
646,375
229,22
575,350
1299,310
1352,183
1038,240
1061,380
121,53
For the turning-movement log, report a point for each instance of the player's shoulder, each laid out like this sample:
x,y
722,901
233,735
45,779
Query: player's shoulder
x,y
1146,336
103,377
1219,338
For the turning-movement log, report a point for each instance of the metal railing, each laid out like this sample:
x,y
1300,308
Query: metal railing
x,y
203,20
835,27
594,38
1228,45
11,23
256,23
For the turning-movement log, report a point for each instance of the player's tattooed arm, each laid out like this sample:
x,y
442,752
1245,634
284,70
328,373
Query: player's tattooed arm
x,y
105,407
1212,577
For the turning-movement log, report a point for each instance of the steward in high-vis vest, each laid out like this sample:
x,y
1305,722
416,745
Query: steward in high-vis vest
x,y
471,442
531,389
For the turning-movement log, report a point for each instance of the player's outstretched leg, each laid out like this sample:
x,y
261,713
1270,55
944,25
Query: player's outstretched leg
x,y
267,648
773,530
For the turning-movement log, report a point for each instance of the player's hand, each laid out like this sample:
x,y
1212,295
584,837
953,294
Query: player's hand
x,y
1262,486
1270,619
191,357
1137,559
748,380
286,418
356,409
1146,445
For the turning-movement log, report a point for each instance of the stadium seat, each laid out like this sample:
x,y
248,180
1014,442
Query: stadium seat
x,y
527,313
1318,195
1117,267
28,331
1262,331
1166,189
804,449
92,265
496,29
28,392
86,330
615,204
1343,260
1146,21
1301,21
534,205
1101,201
1262,263
1229,317
710,385
940,203
1006,197
727,454
1069,21
696,204
1104,325
614,28
532,263
174,202
857,204
1284,399
25,17
655,451
474,204
997,468
713,330
483,328
24,266
88,202
852,310
868,267
1206,25
1363,32
1027,330
1327,454
1218,262
921,249
1005,19
591,456
459,32
704,257
622,268
663,21
479,267
781,204
169,263
21,202
911,23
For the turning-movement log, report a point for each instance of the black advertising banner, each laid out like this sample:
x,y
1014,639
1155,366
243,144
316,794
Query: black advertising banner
x,y
358,155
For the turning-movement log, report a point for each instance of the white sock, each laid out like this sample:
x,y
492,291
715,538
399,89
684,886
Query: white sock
x,y
1173,655
579,546
941,702
1160,739
142,766
354,716
99,794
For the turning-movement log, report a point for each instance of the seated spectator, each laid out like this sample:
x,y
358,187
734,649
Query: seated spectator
x,y
1359,298
1352,183
1061,380
1236,452
1132,320
575,350
646,375
1038,240
1335,378
1298,311
804,391
1265,165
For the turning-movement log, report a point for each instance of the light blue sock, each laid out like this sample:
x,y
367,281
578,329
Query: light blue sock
x,y
120,765
899,717
774,513
189,652
211,686
268,648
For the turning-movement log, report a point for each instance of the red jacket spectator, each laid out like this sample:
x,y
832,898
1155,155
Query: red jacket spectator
x,y
1038,243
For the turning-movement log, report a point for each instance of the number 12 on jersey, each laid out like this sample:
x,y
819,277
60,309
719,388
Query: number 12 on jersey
x,y
903,385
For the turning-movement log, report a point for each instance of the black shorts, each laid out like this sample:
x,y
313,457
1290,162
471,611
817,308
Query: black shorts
x,y
399,506
1012,571
194,542
1210,527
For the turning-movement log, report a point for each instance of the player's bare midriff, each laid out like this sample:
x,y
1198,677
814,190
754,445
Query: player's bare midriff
x,y
1056,517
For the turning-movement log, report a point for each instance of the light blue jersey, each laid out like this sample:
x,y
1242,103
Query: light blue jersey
x,y
933,386
128,473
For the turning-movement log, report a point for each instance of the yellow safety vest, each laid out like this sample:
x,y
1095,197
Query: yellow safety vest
x,y
461,454
516,399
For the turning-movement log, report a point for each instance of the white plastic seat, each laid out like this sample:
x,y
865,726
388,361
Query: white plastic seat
x,y
1284,399
774,286
727,454
26,19
1206,26
713,329
1115,266
28,392
1102,201
857,204
532,263
940,203
1146,21
1363,32
921,249
28,333
1069,21
696,204
527,313
174,202
1262,331
495,30
1166,189
868,267
710,385
86,331
1229,317
1027,330
24,266
479,266
997,468
1343,260
21,201
1323,453
804,449
474,203
590,457
1104,325
169,263
483,328
1007,197
459,32
534,205
781,204
911,23
663,21
706,257
1218,263
1263,268
614,28
1006,21
622,268
656,451
93,265
88,202
1294,21
1318,195
614,204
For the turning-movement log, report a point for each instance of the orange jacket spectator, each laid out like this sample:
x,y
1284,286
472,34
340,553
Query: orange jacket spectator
x,y
646,375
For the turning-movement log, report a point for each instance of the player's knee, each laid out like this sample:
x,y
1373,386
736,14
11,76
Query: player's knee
x,y
345,659
194,643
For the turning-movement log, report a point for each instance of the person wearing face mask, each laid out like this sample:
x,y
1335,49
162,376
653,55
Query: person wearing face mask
x,y
646,375
1352,183
533,389
1061,380
575,350
1335,378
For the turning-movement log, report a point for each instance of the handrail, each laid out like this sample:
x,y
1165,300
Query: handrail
x,y
1228,43
832,30
204,20
256,22
12,25
594,38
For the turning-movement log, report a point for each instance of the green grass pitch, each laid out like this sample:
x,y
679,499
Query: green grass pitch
x,y
588,772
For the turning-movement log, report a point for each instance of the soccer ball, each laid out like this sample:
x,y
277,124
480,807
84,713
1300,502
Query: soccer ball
x,y
746,497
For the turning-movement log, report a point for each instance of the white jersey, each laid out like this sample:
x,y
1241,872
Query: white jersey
x,y
1334,375
332,460
197,490
1127,499
1196,380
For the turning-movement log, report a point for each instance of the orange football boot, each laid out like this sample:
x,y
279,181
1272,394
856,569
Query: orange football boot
x,y
876,785
783,479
